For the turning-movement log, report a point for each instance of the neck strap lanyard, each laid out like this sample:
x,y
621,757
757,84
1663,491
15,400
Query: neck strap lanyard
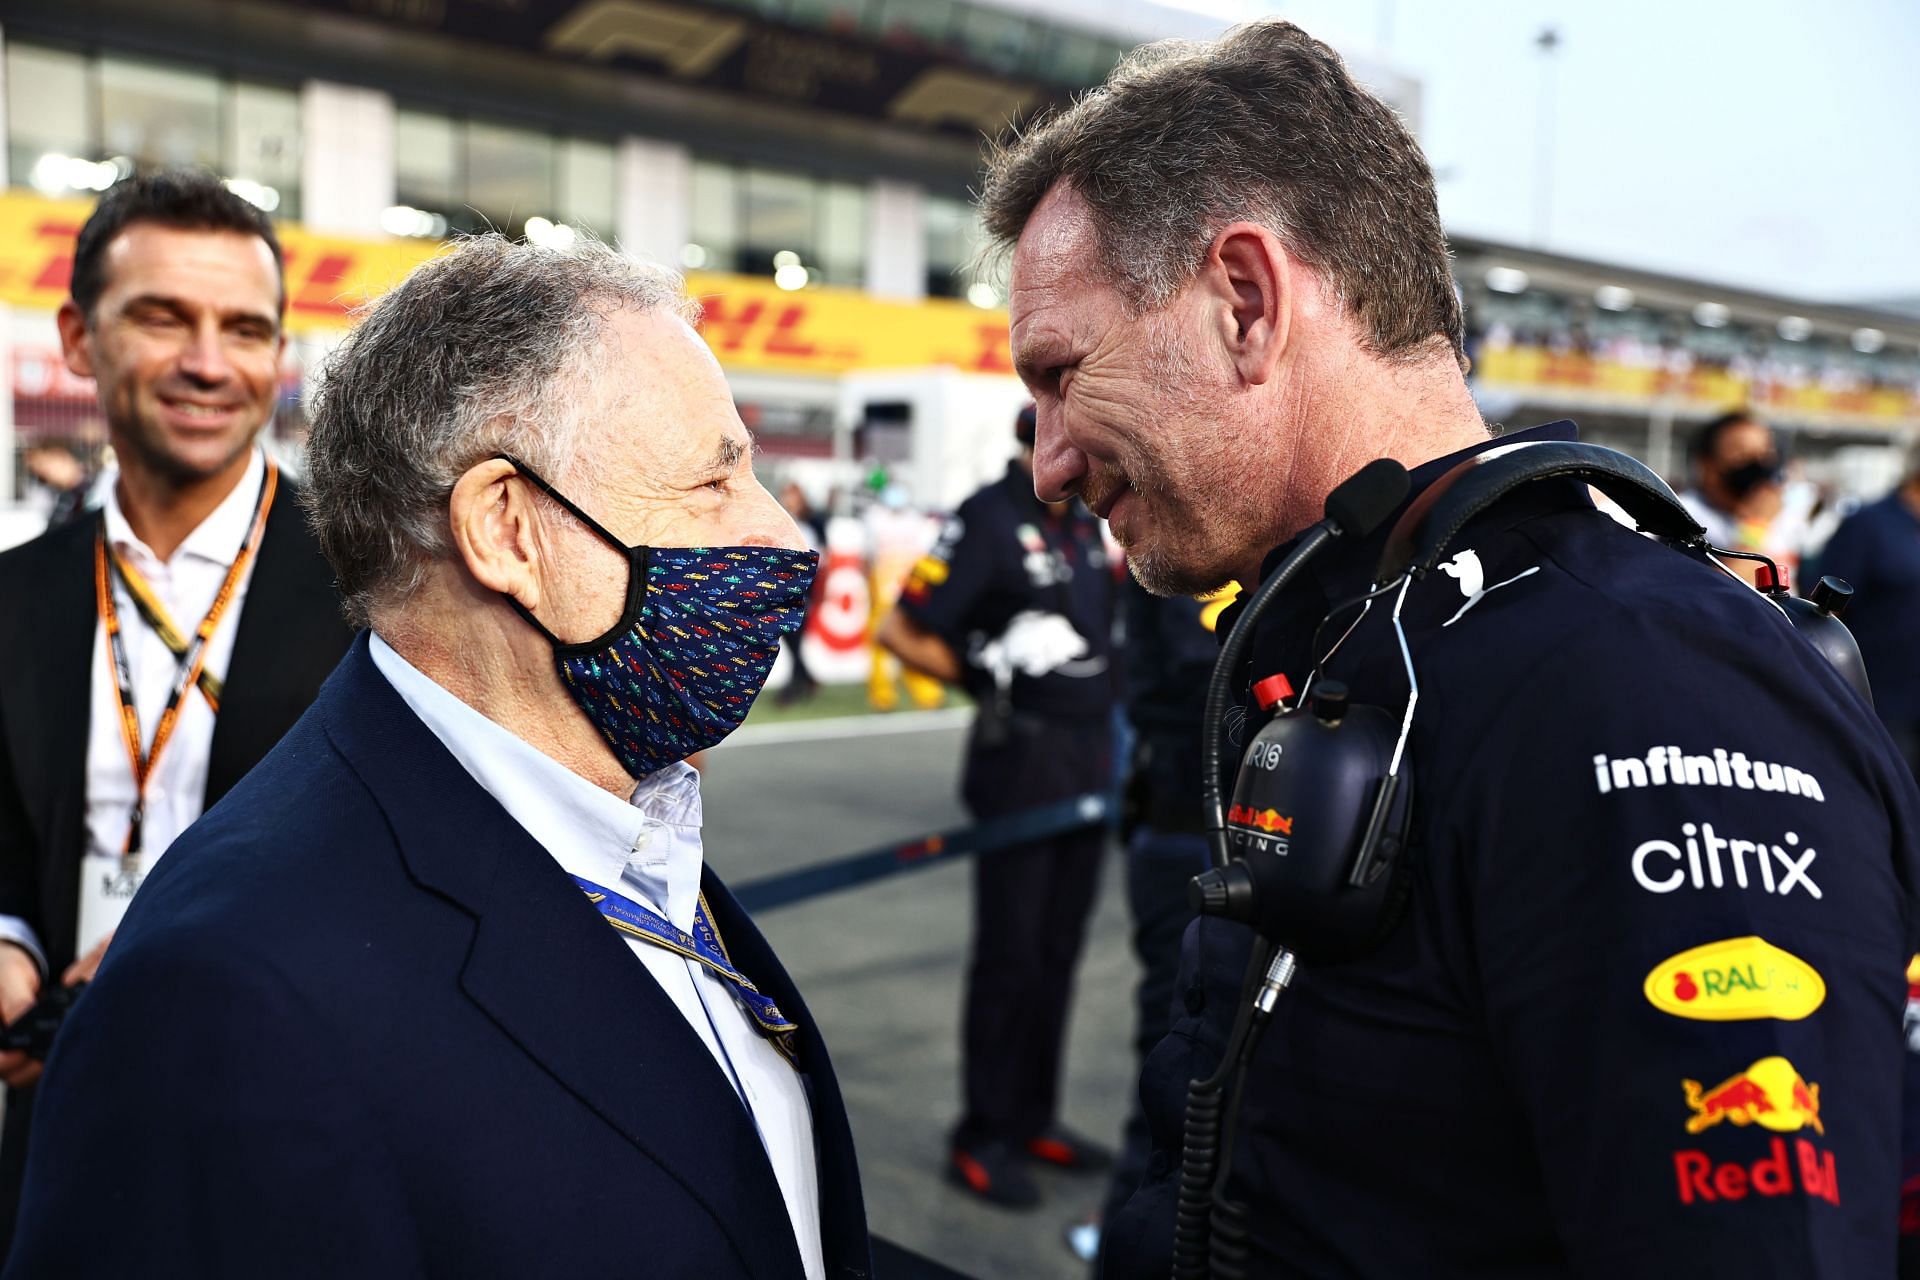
x,y
153,611
703,946
190,655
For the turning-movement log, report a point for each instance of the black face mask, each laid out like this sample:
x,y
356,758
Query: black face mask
x,y
1748,476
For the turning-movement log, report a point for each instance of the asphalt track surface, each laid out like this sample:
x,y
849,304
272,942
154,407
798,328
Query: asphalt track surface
x,y
881,968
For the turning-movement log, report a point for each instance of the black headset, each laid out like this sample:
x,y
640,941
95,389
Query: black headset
x,y
1312,853
1313,847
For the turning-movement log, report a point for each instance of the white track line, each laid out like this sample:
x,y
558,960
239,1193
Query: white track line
x,y
857,726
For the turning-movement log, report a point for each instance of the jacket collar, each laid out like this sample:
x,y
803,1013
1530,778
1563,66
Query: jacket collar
x,y
1345,569
589,831
564,987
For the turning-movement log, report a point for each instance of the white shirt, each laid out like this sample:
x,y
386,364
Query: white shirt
x,y
186,582
650,850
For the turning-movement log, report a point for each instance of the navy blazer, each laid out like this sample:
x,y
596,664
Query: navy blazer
x,y
358,1023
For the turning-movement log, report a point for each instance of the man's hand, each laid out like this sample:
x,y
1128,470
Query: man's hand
x,y
83,969
19,989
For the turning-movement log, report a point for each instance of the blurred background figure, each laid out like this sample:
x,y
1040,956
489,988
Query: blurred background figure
x,y
1166,661
801,684
61,481
1739,493
1877,550
897,536
812,521
1016,602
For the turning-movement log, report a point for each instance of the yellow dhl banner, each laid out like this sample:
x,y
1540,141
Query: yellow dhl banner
x,y
753,323
327,276
1700,388
750,323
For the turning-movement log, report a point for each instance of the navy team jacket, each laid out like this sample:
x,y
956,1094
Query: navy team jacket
x,y
1643,1014
359,1024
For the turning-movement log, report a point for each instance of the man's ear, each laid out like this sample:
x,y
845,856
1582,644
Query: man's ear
x,y
1251,273
72,323
495,528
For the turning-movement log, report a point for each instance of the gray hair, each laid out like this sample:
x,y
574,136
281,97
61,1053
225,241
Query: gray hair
x,y
1263,124
486,349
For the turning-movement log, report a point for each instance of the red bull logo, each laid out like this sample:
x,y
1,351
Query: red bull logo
x,y
1271,821
1811,1170
1770,1093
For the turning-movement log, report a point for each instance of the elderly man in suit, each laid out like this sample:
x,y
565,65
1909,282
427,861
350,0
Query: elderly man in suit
x,y
444,987
152,653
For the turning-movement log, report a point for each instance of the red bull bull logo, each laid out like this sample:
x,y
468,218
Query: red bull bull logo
x,y
1770,1093
1271,821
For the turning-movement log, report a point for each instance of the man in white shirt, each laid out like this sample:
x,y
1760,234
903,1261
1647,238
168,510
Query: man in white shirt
x,y
445,986
152,653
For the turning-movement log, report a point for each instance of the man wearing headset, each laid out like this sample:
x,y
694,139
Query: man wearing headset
x,y
1640,1011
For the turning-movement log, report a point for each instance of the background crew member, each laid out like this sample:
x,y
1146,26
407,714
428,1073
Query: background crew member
x,y
445,986
801,683
1640,1012
1168,657
1015,602
188,624
1877,550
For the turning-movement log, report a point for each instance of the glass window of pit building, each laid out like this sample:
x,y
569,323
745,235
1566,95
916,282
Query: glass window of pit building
x,y
988,35
453,174
800,229
954,239
78,122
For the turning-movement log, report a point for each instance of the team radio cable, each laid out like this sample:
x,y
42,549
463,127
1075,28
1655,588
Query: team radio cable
x,y
1210,1240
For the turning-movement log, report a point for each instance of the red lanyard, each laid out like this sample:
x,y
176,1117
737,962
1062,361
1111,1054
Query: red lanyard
x,y
190,662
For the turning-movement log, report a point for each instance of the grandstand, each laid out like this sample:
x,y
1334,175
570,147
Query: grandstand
x,y
1640,358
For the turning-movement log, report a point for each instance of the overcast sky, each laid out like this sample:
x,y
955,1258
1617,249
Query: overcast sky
x,y
1764,143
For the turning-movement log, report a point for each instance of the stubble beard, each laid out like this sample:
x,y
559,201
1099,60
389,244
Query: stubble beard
x,y
1201,521
1178,556
1166,567
146,440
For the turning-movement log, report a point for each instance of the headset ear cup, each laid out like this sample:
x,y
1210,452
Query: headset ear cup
x,y
1400,872
1393,907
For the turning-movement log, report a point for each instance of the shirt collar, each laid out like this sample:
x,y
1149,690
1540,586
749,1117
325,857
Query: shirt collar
x,y
217,539
650,844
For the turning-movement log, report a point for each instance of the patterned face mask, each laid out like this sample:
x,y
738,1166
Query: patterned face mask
x,y
701,628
